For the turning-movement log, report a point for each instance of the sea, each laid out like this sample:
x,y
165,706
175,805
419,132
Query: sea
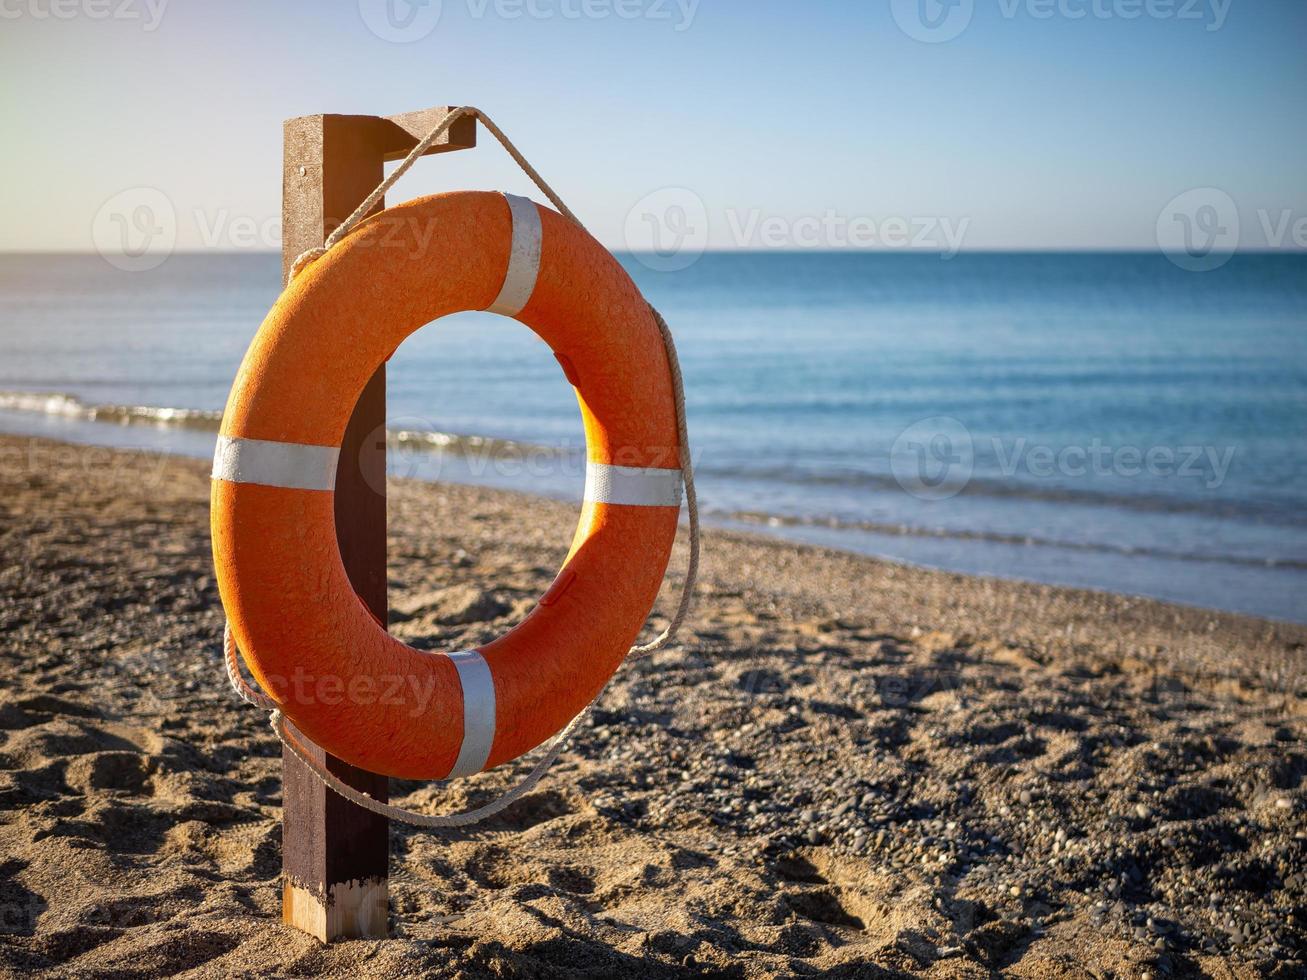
x,y
1109,421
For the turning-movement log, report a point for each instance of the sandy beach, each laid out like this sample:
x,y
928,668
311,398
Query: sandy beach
x,y
848,768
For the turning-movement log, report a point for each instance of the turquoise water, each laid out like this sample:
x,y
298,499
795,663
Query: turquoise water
x,y
1107,421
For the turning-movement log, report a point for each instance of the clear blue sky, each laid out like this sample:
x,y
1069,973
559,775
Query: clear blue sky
x,y
1041,128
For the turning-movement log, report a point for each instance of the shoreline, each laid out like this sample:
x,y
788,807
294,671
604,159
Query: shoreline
x,y
846,764
1057,611
189,436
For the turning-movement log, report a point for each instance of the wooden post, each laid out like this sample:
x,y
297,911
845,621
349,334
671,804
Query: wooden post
x,y
334,854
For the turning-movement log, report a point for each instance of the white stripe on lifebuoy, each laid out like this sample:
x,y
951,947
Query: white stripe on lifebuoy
x,y
523,258
291,465
633,485
478,712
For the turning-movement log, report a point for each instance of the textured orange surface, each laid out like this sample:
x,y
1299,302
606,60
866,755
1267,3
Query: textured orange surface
x,y
345,683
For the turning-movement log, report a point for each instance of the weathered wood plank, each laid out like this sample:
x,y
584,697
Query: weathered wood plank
x,y
334,854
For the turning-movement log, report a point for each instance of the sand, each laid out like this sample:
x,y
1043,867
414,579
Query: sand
x,y
850,768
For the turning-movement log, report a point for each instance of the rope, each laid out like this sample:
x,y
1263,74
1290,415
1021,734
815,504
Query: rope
x,y
691,495
428,820
376,197
283,730
291,740
238,682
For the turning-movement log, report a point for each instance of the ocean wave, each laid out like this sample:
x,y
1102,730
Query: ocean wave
x,y
63,405
980,485
762,519
482,450
71,407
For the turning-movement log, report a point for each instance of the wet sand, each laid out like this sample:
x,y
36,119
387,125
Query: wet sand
x,y
849,768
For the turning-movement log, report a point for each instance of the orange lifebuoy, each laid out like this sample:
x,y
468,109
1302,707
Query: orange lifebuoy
x,y
299,625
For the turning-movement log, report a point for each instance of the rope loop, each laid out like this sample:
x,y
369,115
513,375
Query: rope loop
x,y
291,739
378,195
